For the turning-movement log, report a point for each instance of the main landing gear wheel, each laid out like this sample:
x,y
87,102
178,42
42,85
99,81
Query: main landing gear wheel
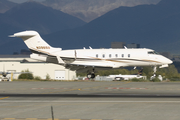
x,y
91,75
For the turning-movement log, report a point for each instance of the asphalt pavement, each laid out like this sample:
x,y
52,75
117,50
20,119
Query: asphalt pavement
x,y
25,100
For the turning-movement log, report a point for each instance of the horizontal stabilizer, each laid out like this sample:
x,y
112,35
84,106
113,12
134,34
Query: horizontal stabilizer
x,y
25,34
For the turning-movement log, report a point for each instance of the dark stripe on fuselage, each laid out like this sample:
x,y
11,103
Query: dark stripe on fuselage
x,y
37,52
113,59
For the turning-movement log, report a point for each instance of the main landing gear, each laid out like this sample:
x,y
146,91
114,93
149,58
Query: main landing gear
x,y
91,75
154,73
154,70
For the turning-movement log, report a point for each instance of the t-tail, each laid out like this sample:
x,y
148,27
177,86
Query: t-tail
x,y
40,49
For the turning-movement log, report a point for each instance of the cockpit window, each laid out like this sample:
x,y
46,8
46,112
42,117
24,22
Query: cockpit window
x,y
156,53
153,52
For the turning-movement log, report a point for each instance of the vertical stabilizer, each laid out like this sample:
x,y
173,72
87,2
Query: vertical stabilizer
x,y
34,42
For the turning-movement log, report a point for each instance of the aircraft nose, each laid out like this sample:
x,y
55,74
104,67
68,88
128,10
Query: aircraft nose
x,y
169,61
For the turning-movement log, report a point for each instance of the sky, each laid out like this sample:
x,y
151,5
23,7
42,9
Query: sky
x,y
21,1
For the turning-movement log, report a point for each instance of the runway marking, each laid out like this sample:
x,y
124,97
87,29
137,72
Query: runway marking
x,y
31,118
75,88
51,119
48,88
9,118
86,88
90,101
96,119
125,88
3,98
74,119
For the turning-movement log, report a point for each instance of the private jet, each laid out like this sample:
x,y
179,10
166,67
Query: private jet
x,y
90,59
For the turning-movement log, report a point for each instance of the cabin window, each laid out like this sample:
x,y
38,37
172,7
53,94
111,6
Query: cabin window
x,y
109,55
129,55
116,55
122,55
103,55
97,55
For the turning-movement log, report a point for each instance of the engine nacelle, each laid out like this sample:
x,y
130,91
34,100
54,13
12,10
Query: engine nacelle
x,y
38,57
163,66
48,59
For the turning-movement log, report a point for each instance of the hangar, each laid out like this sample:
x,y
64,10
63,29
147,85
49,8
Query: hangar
x,y
18,63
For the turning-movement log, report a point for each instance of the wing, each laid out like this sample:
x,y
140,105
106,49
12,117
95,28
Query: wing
x,y
83,68
84,64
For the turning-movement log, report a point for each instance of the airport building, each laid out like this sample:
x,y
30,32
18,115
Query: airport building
x,y
18,63
117,44
122,44
133,45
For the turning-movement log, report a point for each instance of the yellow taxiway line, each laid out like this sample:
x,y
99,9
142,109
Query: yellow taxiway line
x,y
3,98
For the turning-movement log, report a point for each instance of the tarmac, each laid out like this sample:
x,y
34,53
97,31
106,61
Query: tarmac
x,y
30,100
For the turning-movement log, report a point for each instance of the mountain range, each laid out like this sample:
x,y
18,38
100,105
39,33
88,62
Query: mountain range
x,y
152,26
32,16
88,10
155,26
5,5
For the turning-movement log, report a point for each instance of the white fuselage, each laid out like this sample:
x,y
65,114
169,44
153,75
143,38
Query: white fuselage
x,y
83,58
114,57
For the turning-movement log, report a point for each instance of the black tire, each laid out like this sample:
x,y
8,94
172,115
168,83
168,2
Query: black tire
x,y
91,75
